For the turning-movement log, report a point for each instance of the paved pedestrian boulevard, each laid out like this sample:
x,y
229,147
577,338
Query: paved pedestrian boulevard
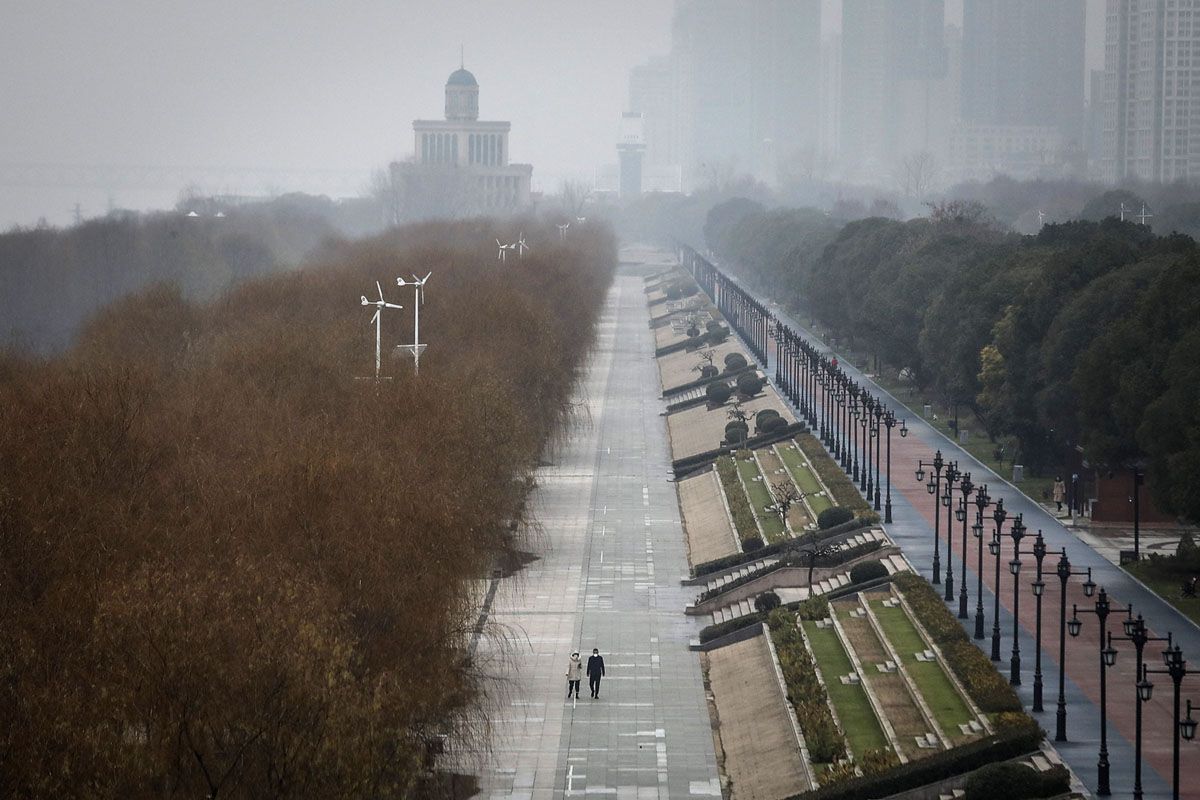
x,y
611,553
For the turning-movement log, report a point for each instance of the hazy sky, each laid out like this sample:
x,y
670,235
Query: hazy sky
x,y
306,83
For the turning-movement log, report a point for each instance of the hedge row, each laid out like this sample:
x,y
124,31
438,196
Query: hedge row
x,y
844,491
804,690
739,505
987,687
1010,779
794,558
1006,743
737,559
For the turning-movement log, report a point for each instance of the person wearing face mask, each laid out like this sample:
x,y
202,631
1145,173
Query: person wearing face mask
x,y
595,671
574,675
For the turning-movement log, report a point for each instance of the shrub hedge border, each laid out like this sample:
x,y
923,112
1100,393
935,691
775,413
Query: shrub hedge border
x,y
833,560
737,559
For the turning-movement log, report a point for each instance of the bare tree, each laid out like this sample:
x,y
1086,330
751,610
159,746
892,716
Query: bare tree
x,y
573,195
740,414
918,174
786,495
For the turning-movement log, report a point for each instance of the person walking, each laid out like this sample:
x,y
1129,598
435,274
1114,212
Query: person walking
x,y
1060,492
595,671
574,674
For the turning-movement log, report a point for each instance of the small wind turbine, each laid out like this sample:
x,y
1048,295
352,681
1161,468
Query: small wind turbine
x,y
581,220
416,347
1122,212
502,254
562,231
1142,217
380,305
521,246
1041,218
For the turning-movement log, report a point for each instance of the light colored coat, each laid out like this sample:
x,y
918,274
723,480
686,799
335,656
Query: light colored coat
x,y
575,669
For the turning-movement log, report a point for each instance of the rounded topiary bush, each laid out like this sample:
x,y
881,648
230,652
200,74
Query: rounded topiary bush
x,y
767,601
734,361
736,425
1010,779
688,289
736,435
709,371
693,331
752,543
717,336
834,516
772,425
749,384
718,392
867,571
713,325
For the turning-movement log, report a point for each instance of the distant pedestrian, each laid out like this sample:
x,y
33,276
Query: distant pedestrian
x,y
1060,492
595,671
574,674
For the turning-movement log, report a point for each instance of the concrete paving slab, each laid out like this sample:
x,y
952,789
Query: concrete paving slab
x,y
705,520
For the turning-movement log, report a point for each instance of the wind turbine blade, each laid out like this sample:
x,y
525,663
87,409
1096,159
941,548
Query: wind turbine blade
x,y
372,322
391,305
380,288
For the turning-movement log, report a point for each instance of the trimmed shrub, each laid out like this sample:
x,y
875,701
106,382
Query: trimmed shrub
x,y
735,424
736,435
693,331
772,425
752,543
713,325
765,414
834,515
709,371
867,571
767,601
843,490
814,608
733,560
739,506
1013,779
735,361
717,336
718,393
749,384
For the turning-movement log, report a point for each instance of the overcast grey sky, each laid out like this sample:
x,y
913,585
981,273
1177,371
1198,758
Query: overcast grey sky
x,y
307,83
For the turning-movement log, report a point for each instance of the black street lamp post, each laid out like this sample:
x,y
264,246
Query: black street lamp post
x,y
947,500
1136,632
889,420
878,434
1138,479
1065,572
933,486
1176,667
865,421
1039,587
982,501
998,515
966,487
855,409
1108,657
1014,665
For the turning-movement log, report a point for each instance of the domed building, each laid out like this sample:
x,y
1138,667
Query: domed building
x,y
460,164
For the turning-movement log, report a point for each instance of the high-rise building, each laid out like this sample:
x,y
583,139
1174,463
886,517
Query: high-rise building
x,y
1151,90
652,94
746,85
893,83
1023,65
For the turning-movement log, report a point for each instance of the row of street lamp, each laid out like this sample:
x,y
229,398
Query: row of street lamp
x,y
945,473
852,423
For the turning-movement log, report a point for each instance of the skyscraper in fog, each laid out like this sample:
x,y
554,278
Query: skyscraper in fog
x,y
746,85
1023,64
893,68
1152,90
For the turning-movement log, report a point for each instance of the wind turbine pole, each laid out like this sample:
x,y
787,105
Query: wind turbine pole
x,y
378,325
417,334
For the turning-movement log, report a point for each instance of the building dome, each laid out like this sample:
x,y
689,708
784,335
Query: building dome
x,y
462,96
461,77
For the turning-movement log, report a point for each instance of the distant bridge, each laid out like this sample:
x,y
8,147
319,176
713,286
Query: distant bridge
x,y
273,180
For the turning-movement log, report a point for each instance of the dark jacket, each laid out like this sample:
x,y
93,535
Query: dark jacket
x,y
595,667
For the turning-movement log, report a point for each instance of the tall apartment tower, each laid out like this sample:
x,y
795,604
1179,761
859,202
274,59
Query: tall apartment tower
x,y
746,84
1023,64
893,73
1151,128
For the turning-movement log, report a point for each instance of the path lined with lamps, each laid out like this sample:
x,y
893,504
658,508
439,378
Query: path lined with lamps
x,y
833,397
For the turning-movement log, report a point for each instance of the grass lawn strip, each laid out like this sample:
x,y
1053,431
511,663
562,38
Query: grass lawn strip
x,y
944,701
1167,586
760,498
890,690
805,477
769,462
854,713
842,490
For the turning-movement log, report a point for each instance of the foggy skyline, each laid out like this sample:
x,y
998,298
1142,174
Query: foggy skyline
x,y
311,85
